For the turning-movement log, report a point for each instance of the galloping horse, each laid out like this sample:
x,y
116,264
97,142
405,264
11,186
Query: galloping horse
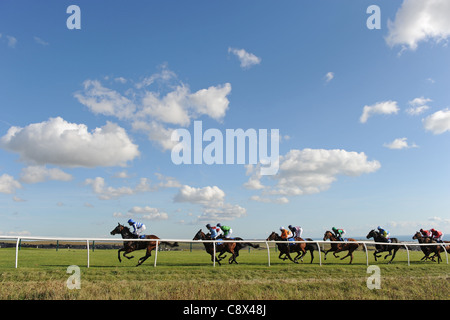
x,y
237,248
428,249
225,246
349,245
288,247
383,247
130,246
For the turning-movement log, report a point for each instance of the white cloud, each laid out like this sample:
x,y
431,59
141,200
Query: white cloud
x,y
59,142
101,100
400,143
106,193
384,107
247,59
329,76
35,174
12,41
18,199
280,200
438,122
206,196
212,199
8,184
417,21
148,213
311,171
40,41
418,106
152,111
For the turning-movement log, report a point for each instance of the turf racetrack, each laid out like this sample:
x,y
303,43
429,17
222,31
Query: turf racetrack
x,y
184,275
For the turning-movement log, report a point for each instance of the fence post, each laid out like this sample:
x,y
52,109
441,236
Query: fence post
x,y
156,252
407,251
445,250
268,253
320,255
17,251
87,246
214,251
367,255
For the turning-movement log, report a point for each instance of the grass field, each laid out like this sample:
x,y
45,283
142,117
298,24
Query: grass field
x,y
184,275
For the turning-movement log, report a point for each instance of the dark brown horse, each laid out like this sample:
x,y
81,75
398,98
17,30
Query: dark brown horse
x,y
427,250
350,245
226,246
130,246
377,237
288,247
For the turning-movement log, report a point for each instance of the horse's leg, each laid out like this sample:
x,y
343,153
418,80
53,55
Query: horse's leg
x,y
126,252
393,256
147,255
312,255
118,253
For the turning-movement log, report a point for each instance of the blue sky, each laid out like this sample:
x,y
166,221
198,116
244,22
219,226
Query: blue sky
x,y
363,116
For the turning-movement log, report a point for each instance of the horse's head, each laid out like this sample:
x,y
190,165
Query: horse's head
x,y
117,230
371,234
273,236
417,236
327,235
199,235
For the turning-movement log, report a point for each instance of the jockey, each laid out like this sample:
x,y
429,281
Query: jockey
x,y
425,233
227,231
138,228
437,235
285,233
297,231
215,231
338,233
384,233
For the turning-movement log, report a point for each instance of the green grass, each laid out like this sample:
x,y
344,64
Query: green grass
x,y
41,274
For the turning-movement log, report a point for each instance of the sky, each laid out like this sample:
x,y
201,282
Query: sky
x,y
89,100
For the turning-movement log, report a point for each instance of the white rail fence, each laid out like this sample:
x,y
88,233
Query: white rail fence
x,y
266,242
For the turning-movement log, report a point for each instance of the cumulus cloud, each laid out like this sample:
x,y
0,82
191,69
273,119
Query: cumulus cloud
x,y
8,184
207,195
384,107
418,106
148,213
417,21
329,76
153,111
438,122
212,199
101,100
247,59
104,192
61,143
310,171
400,143
35,174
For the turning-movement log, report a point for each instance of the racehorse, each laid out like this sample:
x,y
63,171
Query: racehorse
x,y
377,237
130,246
225,246
288,247
349,245
239,246
428,249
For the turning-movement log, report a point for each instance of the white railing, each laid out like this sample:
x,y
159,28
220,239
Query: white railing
x,y
317,242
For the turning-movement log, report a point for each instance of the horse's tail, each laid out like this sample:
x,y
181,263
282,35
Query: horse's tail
x,y
245,244
311,246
